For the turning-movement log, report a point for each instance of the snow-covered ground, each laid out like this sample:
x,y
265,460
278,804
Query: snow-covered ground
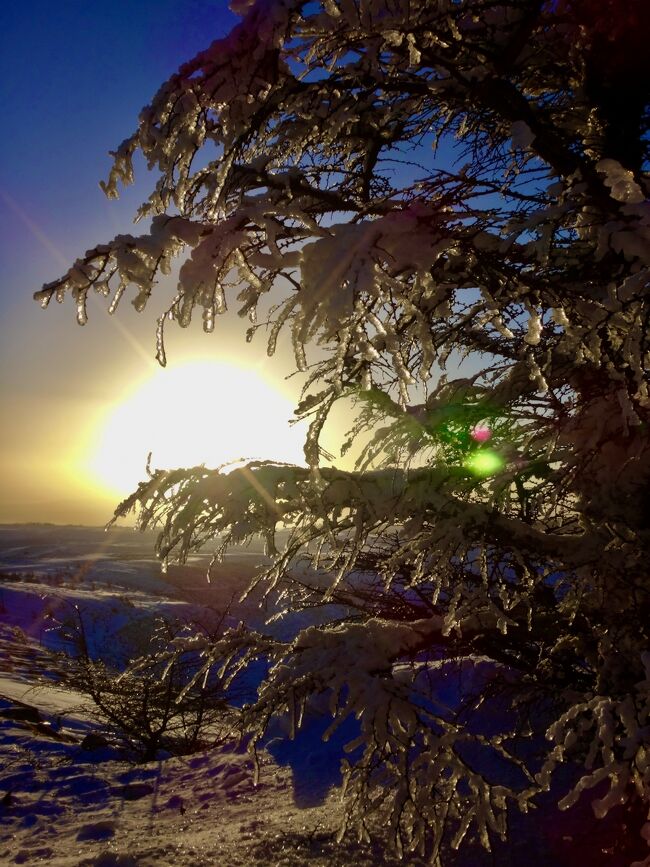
x,y
64,804
68,795
67,805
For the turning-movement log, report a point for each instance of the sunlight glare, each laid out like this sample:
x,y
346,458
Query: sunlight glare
x,y
201,412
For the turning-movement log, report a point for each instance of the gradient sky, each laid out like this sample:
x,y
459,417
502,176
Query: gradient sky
x,y
74,76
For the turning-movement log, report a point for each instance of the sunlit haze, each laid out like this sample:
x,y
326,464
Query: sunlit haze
x,y
201,412
81,407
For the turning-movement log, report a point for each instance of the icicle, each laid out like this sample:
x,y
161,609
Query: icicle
x,y
536,374
219,299
116,298
534,330
559,316
161,356
185,317
208,320
82,314
299,353
256,766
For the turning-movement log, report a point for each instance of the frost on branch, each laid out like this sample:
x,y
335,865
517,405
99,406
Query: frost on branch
x,y
399,187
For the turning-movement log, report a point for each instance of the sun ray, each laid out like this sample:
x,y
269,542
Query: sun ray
x,y
40,236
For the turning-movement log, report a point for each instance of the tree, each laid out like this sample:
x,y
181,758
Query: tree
x,y
393,182
160,700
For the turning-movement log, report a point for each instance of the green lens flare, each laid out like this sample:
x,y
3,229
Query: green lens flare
x,y
484,462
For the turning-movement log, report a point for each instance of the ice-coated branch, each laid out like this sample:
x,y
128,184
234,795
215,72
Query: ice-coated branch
x,y
415,186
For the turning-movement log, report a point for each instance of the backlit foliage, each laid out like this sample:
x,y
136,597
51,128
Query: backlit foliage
x,y
398,185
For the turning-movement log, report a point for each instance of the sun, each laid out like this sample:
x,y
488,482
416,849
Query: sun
x,y
199,412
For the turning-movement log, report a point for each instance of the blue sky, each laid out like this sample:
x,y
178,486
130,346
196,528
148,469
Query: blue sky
x,y
74,75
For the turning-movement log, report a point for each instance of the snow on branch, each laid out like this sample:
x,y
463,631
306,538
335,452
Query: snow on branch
x,y
417,186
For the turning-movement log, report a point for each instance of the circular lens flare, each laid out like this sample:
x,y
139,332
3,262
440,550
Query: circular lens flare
x,y
481,433
484,462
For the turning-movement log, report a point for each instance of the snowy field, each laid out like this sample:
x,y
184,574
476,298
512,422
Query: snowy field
x,y
69,795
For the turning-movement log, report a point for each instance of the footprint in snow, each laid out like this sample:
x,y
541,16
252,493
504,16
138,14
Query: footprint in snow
x,y
135,791
112,859
97,831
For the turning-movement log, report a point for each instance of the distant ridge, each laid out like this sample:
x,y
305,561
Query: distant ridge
x,y
68,526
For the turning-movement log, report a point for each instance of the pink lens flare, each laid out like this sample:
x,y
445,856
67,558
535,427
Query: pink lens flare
x,y
481,433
